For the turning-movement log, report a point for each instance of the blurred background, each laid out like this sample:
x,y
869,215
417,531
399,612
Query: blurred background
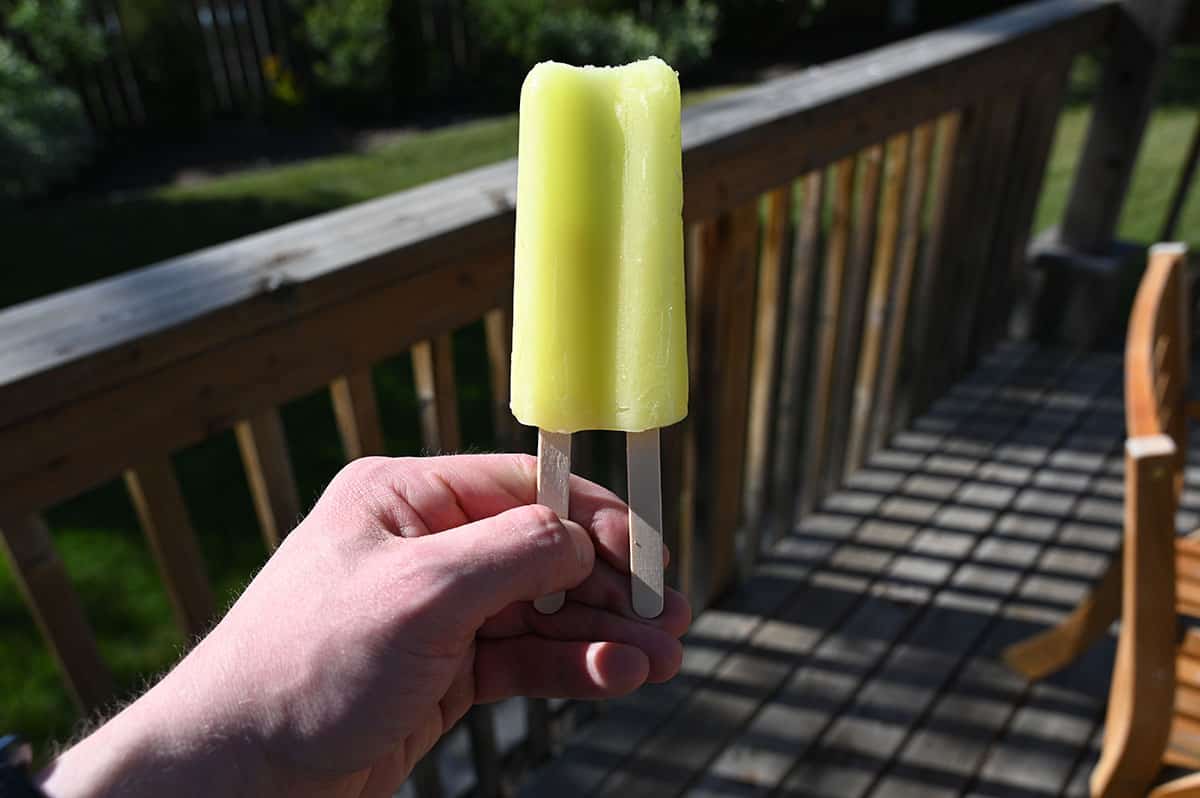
x,y
135,130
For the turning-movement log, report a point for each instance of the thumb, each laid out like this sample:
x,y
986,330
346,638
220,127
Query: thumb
x,y
518,555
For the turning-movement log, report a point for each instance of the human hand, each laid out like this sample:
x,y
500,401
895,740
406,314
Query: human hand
x,y
400,601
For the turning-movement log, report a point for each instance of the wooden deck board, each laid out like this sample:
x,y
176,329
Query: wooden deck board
x,y
862,659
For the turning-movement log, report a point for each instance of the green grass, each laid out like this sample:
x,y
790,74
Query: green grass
x,y
50,249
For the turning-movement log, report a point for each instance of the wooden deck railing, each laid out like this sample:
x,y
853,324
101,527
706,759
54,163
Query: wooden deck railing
x,y
856,237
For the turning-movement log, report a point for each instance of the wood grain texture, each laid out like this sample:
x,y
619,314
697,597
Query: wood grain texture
x,y
230,331
878,301
437,395
829,312
645,522
797,349
883,424
1159,315
991,195
553,491
1041,107
201,395
357,414
726,262
1052,650
937,300
682,453
765,371
268,467
164,518
850,322
42,579
108,333
1142,697
497,328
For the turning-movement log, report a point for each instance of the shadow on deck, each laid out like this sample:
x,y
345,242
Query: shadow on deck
x,y
863,657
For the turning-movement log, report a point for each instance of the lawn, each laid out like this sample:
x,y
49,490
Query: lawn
x,y
53,248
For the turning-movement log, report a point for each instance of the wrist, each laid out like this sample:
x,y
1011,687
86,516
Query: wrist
x,y
165,743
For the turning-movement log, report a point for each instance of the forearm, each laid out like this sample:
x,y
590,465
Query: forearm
x,y
172,741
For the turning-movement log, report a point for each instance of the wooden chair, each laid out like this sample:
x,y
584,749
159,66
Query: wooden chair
x,y
1051,650
1154,701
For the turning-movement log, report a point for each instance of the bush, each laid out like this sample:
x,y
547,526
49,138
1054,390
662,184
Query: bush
x,y
349,41
45,137
528,31
44,134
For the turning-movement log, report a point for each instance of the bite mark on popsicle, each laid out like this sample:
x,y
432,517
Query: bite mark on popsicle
x,y
598,323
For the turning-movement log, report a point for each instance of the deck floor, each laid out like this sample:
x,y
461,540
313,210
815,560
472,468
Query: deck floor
x,y
862,657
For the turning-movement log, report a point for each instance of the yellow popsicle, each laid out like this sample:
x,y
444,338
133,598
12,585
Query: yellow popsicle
x,y
599,338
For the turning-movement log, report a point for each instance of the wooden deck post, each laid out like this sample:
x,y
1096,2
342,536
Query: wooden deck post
x,y
1081,262
1141,37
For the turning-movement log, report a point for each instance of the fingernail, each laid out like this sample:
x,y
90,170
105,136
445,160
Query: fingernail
x,y
583,542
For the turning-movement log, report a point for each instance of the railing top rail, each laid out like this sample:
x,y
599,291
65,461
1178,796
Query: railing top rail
x,y
77,342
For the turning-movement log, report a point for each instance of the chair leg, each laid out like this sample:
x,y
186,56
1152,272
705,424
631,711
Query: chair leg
x,y
1185,787
1141,700
1046,652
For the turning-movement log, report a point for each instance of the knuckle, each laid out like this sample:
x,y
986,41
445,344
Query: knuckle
x,y
364,470
538,518
542,526
526,465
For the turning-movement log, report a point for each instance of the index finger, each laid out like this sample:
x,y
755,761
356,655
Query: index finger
x,y
446,492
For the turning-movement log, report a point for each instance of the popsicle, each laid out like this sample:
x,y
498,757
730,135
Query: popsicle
x,y
599,341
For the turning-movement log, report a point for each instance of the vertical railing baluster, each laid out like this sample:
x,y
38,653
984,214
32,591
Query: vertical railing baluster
x,y
764,380
988,205
481,728
497,327
42,579
726,263
788,439
269,469
910,242
854,300
955,140
1041,106
433,371
681,454
426,777
878,297
829,312
357,414
164,518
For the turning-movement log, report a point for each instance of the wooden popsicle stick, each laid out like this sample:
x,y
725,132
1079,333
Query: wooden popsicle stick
x,y
645,522
553,483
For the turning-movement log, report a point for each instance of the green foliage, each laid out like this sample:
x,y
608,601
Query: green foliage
x,y
44,134
528,31
686,33
57,32
349,40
